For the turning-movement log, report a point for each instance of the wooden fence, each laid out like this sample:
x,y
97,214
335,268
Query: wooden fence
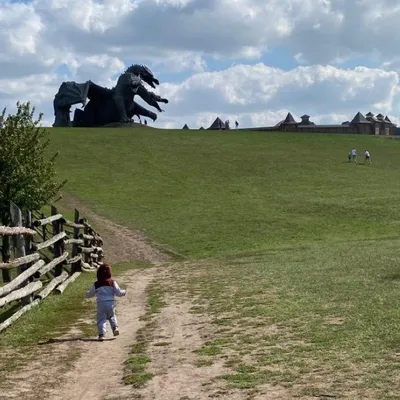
x,y
49,254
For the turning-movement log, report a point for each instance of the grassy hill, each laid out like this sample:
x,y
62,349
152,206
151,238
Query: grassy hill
x,y
214,193
293,249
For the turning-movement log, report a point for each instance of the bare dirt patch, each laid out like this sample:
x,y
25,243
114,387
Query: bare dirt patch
x,y
120,243
173,365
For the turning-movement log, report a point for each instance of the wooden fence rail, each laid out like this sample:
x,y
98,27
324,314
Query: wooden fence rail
x,y
47,257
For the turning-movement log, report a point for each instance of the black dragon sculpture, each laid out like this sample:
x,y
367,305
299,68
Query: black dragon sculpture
x,y
105,105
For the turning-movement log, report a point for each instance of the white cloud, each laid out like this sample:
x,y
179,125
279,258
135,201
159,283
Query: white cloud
x,y
254,89
44,42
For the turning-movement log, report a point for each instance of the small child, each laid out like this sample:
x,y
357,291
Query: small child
x,y
105,290
354,155
367,156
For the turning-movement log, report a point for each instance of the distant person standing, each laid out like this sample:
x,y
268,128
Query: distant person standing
x,y
367,156
237,124
145,122
354,155
349,156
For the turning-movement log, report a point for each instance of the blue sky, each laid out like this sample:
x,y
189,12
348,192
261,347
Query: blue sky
x,y
213,57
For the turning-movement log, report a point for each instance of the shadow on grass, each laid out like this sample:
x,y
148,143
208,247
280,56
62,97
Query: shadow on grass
x,y
392,277
78,339
9,312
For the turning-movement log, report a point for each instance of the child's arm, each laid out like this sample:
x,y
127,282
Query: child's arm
x,y
118,291
91,292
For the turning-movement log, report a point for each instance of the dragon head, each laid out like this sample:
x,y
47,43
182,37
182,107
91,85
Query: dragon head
x,y
145,74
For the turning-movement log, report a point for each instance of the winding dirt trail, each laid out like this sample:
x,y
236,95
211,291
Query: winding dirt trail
x,y
97,373
75,367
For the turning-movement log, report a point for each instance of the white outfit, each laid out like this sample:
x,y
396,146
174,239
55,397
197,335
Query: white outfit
x,y
105,297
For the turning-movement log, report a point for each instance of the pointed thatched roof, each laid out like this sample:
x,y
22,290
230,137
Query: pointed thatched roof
x,y
359,119
201,128
387,119
380,117
289,119
185,126
217,124
370,117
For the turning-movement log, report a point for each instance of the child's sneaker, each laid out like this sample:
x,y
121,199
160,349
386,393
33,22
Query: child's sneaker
x,y
116,332
101,338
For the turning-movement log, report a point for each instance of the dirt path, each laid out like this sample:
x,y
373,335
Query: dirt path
x,y
120,243
176,375
97,373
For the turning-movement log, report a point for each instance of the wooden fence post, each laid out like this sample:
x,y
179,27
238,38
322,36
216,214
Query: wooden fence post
x,y
28,239
44,228
28,250
76,266
5,255
86,243
19,243
58,246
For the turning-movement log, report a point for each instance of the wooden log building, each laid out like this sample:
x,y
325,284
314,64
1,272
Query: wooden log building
x,y
360,124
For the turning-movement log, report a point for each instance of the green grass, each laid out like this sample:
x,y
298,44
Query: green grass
x,y
325,315
135,372
215,193
293,249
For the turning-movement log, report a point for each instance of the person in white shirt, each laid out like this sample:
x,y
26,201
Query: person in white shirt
x,y
105,290
367,157
354,155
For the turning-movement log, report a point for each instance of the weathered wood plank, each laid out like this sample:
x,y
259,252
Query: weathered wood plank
x,y
73,259
59,245
87,267
20,261
52,285
97,237
49,242
86,236
48,220
16,230
17,315
86,249
48,267
74,225
4,290
71,279
73,241
20,293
